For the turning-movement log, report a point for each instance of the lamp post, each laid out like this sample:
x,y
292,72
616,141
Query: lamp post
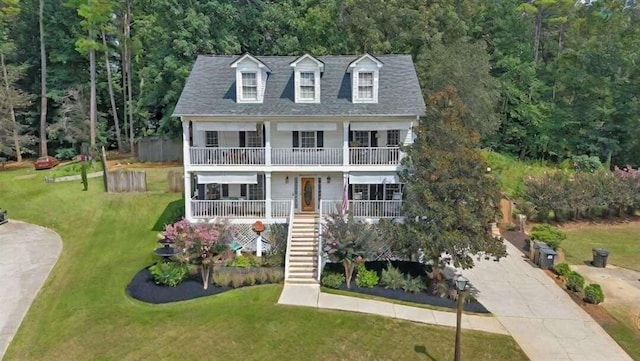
x,y
461,285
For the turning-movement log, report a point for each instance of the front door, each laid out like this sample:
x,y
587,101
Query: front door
x,y
308,196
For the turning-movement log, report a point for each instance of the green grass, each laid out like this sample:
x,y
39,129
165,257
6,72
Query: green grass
x,y
73,168
83,312
625,332
511,172
622,241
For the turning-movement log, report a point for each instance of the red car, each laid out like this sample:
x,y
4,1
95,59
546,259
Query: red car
x,y
46,162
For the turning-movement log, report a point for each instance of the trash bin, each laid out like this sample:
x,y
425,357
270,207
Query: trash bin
x,y
534,251
547,257
600,256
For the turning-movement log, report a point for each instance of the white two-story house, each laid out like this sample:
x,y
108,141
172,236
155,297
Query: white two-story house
x,y
267,134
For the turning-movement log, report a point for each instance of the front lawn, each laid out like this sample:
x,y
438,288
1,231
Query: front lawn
x,y
622,241
83,312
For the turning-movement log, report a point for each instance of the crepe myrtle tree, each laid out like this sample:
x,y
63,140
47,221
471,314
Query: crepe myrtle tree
x,y
451,198
200,243
346,241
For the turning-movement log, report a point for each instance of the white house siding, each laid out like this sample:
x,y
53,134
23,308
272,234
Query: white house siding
x,y
284,139
280,190
225,139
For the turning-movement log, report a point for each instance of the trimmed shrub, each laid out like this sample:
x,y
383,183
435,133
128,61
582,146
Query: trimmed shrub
x,y
169,273
392,278
413,285
262,277
548,234
221,279
275,275
237,280
333,280
245,261
593,294
366,278
575,281
562,269
250,279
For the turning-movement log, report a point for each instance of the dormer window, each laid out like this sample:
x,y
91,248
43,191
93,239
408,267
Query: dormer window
x,y
365,78
251,79
249,86
306,75
365,85
307,85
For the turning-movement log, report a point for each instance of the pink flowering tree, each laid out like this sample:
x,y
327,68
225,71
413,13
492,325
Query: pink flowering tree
x,y
200,243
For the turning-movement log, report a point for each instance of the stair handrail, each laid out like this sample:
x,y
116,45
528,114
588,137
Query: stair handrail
x,y
319,260
289,237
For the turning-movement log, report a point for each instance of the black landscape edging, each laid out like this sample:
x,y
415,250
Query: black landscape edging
x,y
419,298
415,269
143,288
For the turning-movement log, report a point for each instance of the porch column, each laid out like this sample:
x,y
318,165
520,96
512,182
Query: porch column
x,y
267,196
187,176
267,144
345,143
345,191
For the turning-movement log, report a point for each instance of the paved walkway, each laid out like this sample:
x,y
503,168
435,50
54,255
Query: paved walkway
x,y
310,296
540,316
28,254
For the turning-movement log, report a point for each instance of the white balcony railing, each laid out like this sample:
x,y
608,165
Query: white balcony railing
x,y
306,156
239,208
364,209
226,156
374,156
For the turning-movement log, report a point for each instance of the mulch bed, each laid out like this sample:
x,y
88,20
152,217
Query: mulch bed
x,y
144,289
414,269
518,239
597,312
420,298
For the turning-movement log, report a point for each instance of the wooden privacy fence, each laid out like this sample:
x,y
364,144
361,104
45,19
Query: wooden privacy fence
x,y
122,180
159,150
175,181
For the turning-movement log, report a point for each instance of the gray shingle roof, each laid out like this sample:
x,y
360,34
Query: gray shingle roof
x,y
211,90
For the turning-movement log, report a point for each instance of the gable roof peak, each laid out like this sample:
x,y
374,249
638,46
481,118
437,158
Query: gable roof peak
x,y
304,56
244,56
368,56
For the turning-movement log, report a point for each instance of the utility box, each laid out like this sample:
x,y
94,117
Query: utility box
x,y
600,257
534,250
547,257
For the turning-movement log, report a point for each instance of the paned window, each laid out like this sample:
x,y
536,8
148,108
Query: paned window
x,y
360,192
254,140
361,138
365,85
249,86
307,139
393,138
211,138
307,85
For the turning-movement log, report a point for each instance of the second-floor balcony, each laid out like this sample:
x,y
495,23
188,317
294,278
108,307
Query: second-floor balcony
x,y
294,156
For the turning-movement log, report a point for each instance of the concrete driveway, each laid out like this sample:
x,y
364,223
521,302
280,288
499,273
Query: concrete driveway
x,y
27,255
540,316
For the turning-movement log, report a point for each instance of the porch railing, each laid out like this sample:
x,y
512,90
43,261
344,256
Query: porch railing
x,y
364,208
306,156
289,239
374,156
239,208
226,156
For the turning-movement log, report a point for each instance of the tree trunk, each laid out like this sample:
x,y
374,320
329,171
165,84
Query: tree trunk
x,y
348,271
123,64
205,272
114,108
12,113
129,97
537,36
43,85
92,100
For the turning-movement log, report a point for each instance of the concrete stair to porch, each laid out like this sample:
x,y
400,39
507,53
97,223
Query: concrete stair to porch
x,y
303,255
